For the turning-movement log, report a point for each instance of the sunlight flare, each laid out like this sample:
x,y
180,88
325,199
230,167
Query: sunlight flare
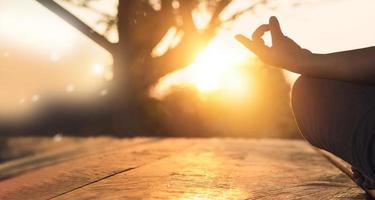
x,y
214,69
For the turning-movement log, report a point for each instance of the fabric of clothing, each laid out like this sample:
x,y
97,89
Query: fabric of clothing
x,y
339,117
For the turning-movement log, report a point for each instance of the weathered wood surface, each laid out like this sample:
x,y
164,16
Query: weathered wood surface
x,y
53,180
32,153
188,169
343,166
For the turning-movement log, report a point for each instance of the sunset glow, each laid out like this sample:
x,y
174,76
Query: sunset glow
x,y
215,69
52,47
214,64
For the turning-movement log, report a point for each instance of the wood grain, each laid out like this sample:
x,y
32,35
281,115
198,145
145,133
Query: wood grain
x,y
54,180
229,169
46,151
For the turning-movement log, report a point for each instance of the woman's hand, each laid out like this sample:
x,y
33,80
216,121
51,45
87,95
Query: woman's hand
x,y
284,52
355,65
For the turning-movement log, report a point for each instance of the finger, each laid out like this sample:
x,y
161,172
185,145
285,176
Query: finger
x,y
275,28
246,42
259,32
257,47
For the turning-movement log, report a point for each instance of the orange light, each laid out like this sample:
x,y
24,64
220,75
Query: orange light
x,y
213,70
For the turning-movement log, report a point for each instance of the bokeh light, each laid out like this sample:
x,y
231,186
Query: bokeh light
x,y
70,88
98,69
35,98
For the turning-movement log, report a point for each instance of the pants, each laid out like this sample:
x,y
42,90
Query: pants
x,y
338,117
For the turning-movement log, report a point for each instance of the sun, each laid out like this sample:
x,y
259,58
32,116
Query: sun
x,y
213,70
214,63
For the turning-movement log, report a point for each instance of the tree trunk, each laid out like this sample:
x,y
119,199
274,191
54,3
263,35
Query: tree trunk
x,y
130,81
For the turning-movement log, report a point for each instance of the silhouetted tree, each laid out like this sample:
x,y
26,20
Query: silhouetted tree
x,y
141,26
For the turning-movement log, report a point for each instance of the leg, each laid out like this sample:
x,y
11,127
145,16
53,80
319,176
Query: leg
x,y
338,117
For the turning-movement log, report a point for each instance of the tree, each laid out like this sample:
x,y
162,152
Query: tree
x,y
141,26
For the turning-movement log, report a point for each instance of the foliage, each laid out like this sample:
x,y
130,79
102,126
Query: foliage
x,y
142,26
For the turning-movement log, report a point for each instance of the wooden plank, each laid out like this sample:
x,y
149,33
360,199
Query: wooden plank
x,y
47,152
54,180
343,166
229,169
20,147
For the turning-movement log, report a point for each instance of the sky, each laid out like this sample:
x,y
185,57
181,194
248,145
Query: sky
x,y
41,54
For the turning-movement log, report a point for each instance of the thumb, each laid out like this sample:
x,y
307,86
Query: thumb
x,y
275,28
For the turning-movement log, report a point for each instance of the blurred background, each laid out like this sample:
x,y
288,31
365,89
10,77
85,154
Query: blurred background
x,y
175,70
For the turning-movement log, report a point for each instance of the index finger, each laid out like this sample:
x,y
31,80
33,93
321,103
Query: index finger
x,y
259,32
256,47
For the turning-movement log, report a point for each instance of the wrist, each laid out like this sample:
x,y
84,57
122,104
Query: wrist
x,y
312,63
302,60
306,58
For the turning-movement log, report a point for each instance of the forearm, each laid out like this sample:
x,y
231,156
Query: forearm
x,y
354,65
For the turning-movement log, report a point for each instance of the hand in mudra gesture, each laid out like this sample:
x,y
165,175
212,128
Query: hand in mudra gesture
x,y
284,52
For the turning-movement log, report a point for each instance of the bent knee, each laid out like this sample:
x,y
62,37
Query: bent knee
x,y
304,90
297,91
323,107
305,97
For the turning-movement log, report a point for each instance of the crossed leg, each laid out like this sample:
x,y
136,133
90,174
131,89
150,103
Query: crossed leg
x,y
338,117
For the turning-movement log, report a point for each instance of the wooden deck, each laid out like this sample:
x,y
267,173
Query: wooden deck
x,y
154,168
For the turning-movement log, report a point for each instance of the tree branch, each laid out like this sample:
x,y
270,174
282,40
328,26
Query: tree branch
x,y
248,9
179,57
215,16
187,7
78,24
